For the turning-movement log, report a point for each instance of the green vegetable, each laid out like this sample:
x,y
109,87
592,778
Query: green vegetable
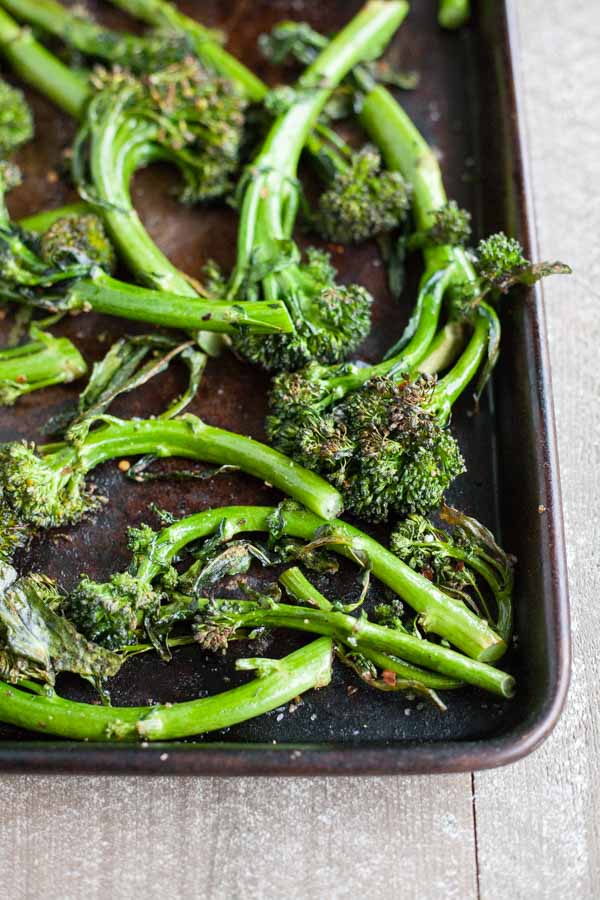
x,y
65,270
16,121
41,362
379,432
361,201
225,617
47,489
203,42
38,643
179,114
466,562
138,54
278,682
454,13
438,612
330,320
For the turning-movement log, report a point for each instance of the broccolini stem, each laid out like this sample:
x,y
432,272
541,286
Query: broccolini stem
x,y
278,682
362,635
40,69
299,587
405,150
53,17
37,364
444,348
107,295
190,438
421,344
440,613
265,198
161,13
454,13
452,385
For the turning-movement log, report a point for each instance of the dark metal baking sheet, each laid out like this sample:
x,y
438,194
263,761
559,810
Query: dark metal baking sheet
x,y
467,107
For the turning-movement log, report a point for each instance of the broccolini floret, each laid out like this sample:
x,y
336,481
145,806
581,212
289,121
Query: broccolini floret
x,y
361,200
16,121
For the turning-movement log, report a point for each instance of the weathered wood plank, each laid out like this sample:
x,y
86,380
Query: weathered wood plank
x,y
538,822
98,838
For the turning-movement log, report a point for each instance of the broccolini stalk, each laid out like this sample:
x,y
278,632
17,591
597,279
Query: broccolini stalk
x,y
219,620
48,490
138,54
39,222
330,320
39,68
405,151
75,246
301,589
278,681
39,363
178,114
454,13
439,613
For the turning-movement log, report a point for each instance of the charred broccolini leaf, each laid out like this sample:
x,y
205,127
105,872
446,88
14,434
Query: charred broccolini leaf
x,y
465,561
38,643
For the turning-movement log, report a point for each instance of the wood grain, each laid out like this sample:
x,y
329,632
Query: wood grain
x,y
538,821
113,839
536,833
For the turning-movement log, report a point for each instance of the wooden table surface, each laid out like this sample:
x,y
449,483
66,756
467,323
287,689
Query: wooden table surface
x,y
529,831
